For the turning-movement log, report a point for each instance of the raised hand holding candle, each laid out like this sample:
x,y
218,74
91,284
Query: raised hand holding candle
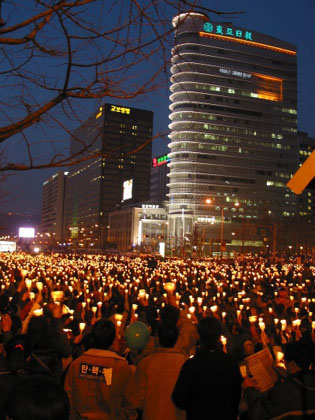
x,y
169,287
38,312
224,341
28,283
39,286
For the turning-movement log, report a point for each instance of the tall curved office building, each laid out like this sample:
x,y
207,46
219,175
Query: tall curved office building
x,y
233,135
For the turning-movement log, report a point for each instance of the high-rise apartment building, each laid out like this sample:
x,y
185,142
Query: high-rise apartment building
x,y
233,134
118,175
53,199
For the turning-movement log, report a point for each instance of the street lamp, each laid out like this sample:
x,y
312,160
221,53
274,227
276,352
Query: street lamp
x,y
222,244
208,201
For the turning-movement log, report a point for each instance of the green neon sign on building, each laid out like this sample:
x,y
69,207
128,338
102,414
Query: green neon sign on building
x,y
224,30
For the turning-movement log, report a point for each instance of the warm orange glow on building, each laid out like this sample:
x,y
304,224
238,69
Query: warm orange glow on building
x,y
269,87
246,42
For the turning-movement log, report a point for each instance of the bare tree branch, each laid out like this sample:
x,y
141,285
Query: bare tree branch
x,y
57,53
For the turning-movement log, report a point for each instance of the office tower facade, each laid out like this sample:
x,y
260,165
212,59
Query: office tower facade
x,y
304,230
53,200
233,134
118,175
159,178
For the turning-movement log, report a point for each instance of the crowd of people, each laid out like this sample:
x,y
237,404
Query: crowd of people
x,y
115,337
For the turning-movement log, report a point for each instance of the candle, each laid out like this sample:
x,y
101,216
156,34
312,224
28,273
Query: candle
x,y
141,293
39,285
169,287
28,283
82,326
38,312
279,357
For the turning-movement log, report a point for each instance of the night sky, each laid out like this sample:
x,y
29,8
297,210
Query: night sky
x,y
289,20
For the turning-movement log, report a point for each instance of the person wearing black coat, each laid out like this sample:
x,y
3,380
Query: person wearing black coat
x,y
209,384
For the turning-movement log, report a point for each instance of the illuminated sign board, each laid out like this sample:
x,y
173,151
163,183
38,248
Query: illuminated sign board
x,y
162,249
127,189
161,160
150,206
303,175
25,232
226,33
237,73
206,220
7,246
219,29
119,109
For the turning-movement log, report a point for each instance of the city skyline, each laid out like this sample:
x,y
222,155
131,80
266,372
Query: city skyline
x,y
285,20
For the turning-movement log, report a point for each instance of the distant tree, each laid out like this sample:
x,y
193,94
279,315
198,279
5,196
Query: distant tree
x,y
58,53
